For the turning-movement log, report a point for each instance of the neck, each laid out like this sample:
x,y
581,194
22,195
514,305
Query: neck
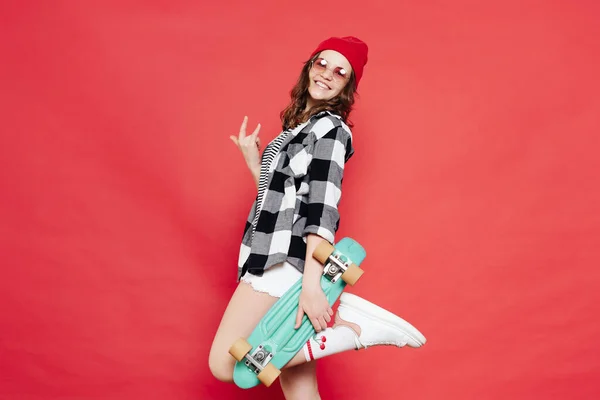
x,y
310,103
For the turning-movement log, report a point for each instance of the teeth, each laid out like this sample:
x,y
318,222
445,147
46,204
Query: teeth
x,y
322,85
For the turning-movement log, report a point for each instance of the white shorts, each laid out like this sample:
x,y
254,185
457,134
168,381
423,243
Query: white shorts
x,y
276,280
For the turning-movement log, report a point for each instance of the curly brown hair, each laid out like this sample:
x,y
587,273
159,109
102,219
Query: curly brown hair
x,y
295,114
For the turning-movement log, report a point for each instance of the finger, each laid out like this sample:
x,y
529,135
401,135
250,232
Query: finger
x,y
256,130
316,324
234,140
327,318
299,315
330,311
243,128
258,142
322,323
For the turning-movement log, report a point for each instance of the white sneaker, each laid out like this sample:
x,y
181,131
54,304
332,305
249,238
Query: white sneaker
x,y
378,326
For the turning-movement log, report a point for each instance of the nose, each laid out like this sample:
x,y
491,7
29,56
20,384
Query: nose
x,y
327,74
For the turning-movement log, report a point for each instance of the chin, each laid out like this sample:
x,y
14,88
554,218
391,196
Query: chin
x,y
318,95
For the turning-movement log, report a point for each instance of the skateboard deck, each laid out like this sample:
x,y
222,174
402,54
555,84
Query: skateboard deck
x,y
274,341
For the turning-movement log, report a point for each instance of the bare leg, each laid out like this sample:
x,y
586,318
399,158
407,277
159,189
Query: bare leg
x,y
243,313
300,383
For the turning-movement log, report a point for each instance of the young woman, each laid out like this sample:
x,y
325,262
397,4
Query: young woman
x,y
299,179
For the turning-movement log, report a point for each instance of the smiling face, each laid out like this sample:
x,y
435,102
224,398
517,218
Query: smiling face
x,y
328,75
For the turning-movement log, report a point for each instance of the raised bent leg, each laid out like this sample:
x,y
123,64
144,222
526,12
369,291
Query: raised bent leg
x,y
359,324
243,313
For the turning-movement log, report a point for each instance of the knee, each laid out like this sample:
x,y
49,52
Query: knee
x,y
220,366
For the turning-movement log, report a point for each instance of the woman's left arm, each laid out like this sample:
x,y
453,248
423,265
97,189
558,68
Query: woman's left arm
x,y
325,174
313,269
325,182
313,301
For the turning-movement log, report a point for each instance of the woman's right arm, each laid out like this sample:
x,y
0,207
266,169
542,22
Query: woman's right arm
x,y
249,145
256,175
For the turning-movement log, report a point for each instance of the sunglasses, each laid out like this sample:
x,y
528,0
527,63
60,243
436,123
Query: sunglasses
x,y
339,73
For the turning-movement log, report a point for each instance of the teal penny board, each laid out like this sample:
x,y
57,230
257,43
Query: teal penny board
x,y
274,340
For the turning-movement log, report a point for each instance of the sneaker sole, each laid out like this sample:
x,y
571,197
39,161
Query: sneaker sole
x,y
369,309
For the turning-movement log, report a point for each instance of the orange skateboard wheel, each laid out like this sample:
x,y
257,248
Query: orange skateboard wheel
x,y
323,251
240,348
352,274
268,375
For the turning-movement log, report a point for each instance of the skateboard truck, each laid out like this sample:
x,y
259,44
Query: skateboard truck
x,y
336,264
258,359
335,267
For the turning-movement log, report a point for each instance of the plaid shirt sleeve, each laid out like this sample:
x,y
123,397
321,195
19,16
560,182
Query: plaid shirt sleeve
x,y
329,154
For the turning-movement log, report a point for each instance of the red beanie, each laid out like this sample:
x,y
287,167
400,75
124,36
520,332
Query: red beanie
x,y
354,49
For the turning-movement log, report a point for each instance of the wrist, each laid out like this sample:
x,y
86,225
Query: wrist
x,y
311,281
311,288
255,172
254,166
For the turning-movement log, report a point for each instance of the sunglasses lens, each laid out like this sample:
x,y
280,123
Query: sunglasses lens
x,y
340,73
320,65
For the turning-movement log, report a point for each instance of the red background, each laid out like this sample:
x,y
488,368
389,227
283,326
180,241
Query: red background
x,y
474,189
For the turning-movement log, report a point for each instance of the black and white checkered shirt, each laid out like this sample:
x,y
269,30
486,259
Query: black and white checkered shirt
x,y
300,194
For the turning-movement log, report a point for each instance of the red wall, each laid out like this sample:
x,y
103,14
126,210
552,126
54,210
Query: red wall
x,y
474,189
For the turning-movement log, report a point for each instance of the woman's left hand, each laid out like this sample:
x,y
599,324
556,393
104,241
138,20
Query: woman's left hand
x,y
314,304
